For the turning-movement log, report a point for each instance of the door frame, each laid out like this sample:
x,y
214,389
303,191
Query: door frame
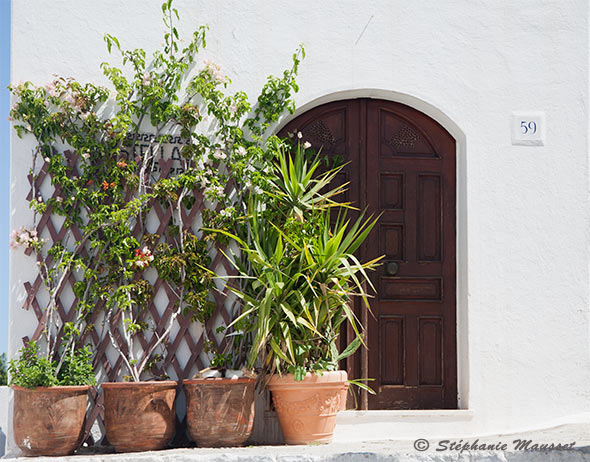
x,y
462,275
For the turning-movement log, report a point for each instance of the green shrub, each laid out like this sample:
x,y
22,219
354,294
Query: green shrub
x,y
31,370
3,370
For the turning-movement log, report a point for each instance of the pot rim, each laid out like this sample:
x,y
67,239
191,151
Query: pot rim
x,y
326,379
217,380
54,389
152,383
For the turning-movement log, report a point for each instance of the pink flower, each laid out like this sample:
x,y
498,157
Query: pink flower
x,y
25,237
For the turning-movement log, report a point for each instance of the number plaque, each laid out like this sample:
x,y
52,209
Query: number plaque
x,y
528,128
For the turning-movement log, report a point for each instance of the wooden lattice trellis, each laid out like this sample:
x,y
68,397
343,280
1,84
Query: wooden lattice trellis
x,y
108,369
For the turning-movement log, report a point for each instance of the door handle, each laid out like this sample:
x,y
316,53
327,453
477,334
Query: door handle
x,y
391,268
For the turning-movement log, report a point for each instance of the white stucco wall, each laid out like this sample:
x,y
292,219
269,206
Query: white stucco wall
x,y
523,311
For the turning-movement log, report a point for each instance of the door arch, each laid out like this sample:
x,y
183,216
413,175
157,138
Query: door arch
x,y
401,164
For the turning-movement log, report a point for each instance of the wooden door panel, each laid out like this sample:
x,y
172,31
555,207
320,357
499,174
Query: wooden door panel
x,y
401,165
412,336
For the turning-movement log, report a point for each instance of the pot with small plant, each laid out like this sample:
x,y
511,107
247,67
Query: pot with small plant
x,y
220,398
53,372
299,273
50,398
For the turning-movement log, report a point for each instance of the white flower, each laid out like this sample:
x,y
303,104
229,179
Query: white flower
x,y
219,154
39,199
209,64
47,159
242,151
307,145
233,108
86,155
220,77
299,135
146,78
58,199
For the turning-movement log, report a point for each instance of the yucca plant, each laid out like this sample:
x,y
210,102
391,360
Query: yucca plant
x,y
298,272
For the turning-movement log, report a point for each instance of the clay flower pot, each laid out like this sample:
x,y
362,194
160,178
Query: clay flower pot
x,y
307,409
139,416
219,411
48,421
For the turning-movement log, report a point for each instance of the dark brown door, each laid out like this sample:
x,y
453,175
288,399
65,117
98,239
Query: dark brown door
x,y
402,166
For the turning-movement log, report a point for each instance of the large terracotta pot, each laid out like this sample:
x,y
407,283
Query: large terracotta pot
x,y
48,421
307,409
219,411
139,416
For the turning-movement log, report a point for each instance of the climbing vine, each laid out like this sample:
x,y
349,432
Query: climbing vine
x,y
108,192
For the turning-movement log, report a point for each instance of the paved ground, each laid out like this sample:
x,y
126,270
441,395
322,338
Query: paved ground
x,y
374,451
516,449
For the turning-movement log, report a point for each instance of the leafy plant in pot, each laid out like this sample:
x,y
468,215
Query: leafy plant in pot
x,y
300,272
50,398
51,376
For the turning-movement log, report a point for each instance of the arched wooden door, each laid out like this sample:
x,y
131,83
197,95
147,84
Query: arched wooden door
x,y
401,164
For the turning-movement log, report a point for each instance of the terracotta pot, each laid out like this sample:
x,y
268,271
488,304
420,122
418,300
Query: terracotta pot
x,y
343,397
219,411
307,409
139,416
48,421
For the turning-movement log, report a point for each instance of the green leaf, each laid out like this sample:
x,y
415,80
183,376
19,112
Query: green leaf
x,y
350,349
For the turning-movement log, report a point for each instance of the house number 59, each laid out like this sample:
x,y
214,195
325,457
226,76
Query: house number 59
x,y
528,127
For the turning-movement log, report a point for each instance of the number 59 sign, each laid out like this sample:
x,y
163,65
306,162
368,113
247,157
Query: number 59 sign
x,y
528,128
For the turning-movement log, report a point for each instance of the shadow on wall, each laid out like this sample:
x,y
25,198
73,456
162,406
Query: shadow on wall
x,y
4,395
2,442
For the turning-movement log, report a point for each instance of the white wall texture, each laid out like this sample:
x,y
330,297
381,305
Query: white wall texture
x,y
523,245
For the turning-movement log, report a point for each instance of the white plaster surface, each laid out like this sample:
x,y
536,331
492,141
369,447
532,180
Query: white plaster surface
x,y
523,234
